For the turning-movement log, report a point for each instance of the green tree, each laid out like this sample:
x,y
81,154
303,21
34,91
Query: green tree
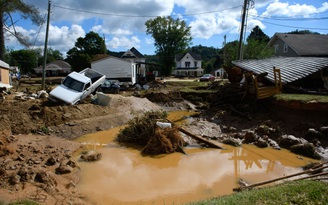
x,y
7,22
303,32
230,52
258,35
80,56
210,57
25,60
52,55
172,36
256,49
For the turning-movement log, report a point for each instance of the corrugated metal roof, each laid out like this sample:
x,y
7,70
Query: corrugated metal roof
x,y
291,68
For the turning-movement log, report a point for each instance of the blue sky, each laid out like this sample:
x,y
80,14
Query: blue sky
x,y
122,22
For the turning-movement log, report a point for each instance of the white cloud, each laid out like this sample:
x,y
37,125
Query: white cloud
x,y
123,42
212,17
285,9
123,21
61,38
149,41
323,8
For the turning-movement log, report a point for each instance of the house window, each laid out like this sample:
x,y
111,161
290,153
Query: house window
x,y
276,48
285,48
195,63
187,64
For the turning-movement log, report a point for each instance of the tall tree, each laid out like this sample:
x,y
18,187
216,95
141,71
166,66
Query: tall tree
x,y
80,56
7,23
26,60
52,55
172,36
258,35
230,50
256,49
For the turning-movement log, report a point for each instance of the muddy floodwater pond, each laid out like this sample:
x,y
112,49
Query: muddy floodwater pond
x,y
123,176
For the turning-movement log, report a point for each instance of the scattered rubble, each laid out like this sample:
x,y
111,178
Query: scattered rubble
x,y
42,165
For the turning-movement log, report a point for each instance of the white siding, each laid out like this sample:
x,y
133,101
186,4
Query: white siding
x,y
113,67
190,59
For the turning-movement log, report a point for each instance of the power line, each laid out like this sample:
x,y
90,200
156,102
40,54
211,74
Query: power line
x,y
142,16
295,26
291,19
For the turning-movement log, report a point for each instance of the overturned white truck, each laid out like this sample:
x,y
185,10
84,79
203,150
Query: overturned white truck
x,y
77,86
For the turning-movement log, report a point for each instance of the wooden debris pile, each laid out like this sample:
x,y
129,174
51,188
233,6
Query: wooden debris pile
x,y
142,131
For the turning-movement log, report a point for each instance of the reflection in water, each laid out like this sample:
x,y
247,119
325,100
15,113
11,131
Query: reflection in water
x,y
123,176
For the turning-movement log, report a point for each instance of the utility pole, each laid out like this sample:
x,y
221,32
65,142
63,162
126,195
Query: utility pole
x,y
45,48
240,50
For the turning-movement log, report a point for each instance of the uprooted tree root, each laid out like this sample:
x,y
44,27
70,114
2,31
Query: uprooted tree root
x,y
143,131
164,141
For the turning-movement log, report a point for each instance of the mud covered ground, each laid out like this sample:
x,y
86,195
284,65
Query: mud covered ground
x,y
36,154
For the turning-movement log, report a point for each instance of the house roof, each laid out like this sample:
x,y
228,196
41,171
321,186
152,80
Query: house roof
x,y
110,57
56,65
4,64
135,52
291,68
196,56
304,44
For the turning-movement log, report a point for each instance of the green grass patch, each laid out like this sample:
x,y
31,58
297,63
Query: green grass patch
x,y
193,89
192,86
302,97
298,192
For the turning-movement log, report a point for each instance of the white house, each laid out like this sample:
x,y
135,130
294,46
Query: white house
x,y
55,68
129,67
188,64
135,56
220,73
117,69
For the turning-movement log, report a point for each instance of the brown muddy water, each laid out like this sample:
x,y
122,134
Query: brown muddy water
x,y
123,176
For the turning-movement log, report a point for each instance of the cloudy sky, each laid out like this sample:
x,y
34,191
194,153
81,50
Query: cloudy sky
x,y
122,22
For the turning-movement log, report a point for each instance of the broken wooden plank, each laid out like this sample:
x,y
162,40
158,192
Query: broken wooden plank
x,y
313,176
313,170
200,138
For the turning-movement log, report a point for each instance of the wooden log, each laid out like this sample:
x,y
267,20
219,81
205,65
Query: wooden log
x,y
313,176
313,170
200,138
197,137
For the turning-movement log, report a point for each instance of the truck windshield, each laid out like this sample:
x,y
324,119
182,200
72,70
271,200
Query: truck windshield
x,y
73,84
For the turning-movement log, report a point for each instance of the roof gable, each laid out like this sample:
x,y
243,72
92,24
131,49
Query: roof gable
x,y
110,58
132,53
196,56
59,63
304,44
